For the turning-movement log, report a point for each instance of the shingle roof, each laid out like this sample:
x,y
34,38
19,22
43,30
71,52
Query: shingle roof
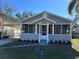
x,y
50,15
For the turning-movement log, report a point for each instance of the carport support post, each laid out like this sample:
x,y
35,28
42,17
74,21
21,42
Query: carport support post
x,y
47,32
2,31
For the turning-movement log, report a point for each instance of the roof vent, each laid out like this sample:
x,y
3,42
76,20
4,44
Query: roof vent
x,y
45,14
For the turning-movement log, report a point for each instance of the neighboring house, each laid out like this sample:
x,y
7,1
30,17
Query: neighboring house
x,y
8,25
75,32
46,27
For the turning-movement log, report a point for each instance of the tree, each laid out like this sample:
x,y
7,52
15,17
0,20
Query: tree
x,y
27,14
6,7
1,6
18,16
74,5
24,15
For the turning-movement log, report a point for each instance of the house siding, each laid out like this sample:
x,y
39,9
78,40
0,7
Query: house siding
x,y
43,21
29,36
62,37
55,37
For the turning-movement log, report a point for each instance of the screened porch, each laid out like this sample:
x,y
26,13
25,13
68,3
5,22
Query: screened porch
x,y
52,28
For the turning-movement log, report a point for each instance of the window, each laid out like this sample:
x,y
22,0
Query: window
x,y
65,29
50,29
57,29
28,28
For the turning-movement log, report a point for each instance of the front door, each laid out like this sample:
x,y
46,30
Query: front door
x,y
43,38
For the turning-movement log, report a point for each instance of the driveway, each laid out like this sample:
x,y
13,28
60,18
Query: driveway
x,y
5,41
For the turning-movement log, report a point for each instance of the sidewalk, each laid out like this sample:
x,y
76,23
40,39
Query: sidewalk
x,y
5,41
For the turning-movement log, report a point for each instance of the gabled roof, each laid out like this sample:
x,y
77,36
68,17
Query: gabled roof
x,y
7,15
50,16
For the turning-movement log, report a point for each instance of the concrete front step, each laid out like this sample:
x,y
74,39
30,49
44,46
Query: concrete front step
x,y
42,41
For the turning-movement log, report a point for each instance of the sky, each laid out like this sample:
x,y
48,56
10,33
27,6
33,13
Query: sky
x,y
58,7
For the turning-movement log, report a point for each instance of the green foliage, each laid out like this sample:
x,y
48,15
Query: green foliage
x,y
71,6
74,6
24,15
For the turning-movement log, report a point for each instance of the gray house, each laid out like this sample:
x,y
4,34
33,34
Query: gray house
x,y
46,27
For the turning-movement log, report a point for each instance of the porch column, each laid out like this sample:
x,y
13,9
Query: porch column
x,y
71,31
39,31
35,28
2,34
53,29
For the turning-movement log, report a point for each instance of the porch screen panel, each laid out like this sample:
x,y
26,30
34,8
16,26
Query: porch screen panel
x,y
25,28
28,28
65,29
50,29
37,28
31,28
57,29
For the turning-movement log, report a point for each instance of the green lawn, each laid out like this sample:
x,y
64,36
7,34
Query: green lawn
x,y
54,51
75,44
75,40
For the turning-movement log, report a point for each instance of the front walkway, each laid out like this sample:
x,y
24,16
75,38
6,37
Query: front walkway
x,y
5,41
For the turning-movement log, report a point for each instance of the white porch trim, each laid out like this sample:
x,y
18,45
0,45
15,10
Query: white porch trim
x,y
47,33
43,18
53,29
39,32
54,23
71,30
50,20
35,28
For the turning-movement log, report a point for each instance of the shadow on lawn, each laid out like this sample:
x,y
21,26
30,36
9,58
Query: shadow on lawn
x,y
58,51
73,53
50,51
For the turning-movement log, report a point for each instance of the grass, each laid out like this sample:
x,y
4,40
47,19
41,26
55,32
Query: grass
x,y
75,40
54,51
75,43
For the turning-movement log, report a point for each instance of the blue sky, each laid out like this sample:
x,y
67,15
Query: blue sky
x,y
58,7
